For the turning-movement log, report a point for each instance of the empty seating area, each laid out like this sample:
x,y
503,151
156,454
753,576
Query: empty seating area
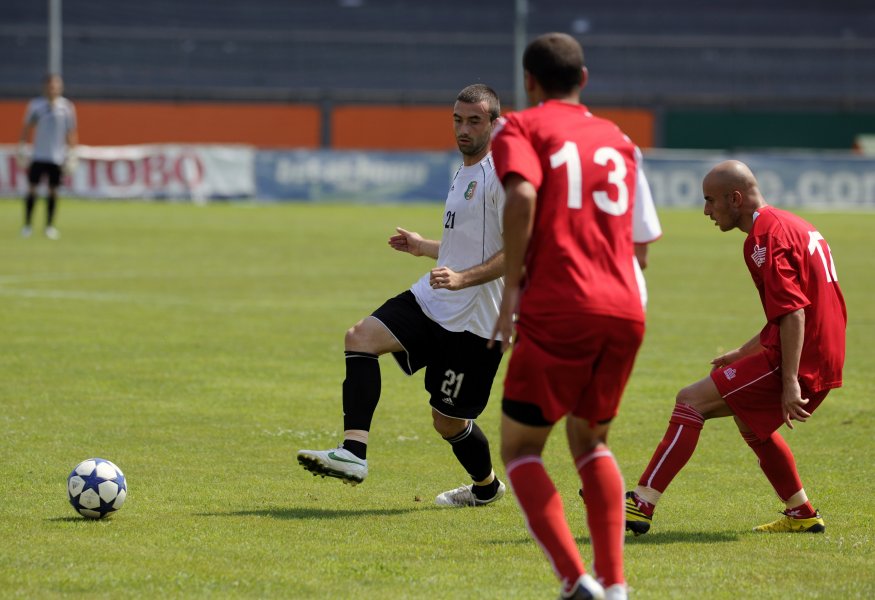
x,y
640,53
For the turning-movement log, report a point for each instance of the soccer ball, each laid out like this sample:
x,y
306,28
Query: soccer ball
x,y
97,488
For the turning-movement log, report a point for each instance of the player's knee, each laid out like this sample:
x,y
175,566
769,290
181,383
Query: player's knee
x,y
514,449
446,426
688,396
350,339
511,451
704,400
371,336
357,338
586,447
584,437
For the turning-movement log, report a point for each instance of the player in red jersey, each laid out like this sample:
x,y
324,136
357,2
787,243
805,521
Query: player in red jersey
x,y
782,374
570,179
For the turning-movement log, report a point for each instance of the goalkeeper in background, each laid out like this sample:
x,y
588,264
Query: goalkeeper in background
x,y
51,119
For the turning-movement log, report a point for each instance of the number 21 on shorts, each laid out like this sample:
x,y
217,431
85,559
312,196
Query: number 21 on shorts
x,y
452,384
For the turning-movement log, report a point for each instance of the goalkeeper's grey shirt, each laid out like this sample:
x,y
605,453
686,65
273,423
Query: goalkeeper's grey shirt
x,y
53,121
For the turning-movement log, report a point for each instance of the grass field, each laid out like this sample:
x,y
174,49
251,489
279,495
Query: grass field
x,y
199,347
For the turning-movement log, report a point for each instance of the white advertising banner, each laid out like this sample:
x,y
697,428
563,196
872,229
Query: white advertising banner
x,y
819,180
166,171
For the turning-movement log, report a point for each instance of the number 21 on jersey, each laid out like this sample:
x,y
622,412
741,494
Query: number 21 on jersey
x,y
605,156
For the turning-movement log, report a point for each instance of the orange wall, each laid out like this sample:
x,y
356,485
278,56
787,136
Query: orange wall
x,y
392,128
11,120
636,123
116,123
383,127
431,128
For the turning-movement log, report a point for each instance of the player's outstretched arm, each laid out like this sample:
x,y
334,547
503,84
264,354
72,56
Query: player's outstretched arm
x,y
413,243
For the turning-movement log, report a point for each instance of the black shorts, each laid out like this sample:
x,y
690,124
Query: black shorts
x,y
38,169
459,368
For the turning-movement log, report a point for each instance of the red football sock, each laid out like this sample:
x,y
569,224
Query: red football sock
x,y
675,449
545,516
803,511
777,462
603,494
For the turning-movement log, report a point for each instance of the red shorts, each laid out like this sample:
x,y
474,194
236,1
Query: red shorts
x,y
752,388
573,365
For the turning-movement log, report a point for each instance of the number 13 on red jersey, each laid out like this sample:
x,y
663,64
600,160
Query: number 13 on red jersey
x,y
569,156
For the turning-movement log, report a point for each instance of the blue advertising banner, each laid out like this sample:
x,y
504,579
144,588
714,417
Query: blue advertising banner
x,y
811,180
349,176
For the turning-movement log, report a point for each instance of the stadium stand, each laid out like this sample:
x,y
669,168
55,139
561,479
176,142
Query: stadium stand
x,y
679,52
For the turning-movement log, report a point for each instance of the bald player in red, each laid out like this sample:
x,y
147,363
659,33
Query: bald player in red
x,y
780,375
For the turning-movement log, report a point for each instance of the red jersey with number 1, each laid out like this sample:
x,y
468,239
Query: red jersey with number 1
x,y
580,257
792,268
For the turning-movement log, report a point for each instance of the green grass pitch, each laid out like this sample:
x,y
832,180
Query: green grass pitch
x,y
199,347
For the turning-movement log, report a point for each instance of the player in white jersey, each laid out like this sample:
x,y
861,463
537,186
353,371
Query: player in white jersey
x,y
52,120
472,234
441,324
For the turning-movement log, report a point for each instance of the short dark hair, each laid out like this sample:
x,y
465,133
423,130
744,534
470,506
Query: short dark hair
x,y
478,92
555,60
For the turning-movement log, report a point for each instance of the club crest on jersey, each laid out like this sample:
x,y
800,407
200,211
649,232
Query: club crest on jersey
x,y
759,255
469,193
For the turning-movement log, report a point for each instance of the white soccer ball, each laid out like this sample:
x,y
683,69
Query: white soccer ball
x,y
96,488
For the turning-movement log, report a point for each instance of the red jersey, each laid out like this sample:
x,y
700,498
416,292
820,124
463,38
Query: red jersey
x,y
792,268
580,256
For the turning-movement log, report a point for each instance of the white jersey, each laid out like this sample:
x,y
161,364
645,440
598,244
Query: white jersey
x,y
472,234
645,223
52,120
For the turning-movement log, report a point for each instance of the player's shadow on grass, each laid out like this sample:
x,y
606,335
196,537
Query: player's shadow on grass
x,y
318,513
669,537
684,537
